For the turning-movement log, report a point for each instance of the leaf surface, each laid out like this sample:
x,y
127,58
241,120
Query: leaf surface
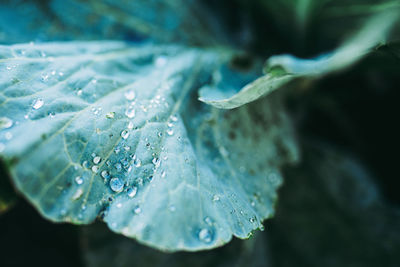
x,y
282,69
109,130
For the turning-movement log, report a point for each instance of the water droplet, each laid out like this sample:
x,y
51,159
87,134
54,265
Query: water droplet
x,y
119,205
124,134
130,95
53,72
174,118
161,61
156,162
127,148
172,208
96,160
5,123
95,169
163,173
137,162
38,103
51,114
132,191
83,207
117,150
252,203
215,198
78,193
205,235
79,92
105,174
110,115
44,77
86,164
116,185
79,180
137,210
170,131
130,112
252,219
118,166
130,125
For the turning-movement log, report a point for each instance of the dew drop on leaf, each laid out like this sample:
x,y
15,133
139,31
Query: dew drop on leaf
x,y
132,191
130,112
137,210
110,115
96,160
116,185
38,103
105,174
130,95
205,235
95,169
79,180
5,123
124,134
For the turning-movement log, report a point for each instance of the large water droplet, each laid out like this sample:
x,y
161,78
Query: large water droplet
x,y
38,103
205,235
116,185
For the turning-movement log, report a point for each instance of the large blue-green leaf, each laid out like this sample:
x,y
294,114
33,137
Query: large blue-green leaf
x,y
283,69
166,21
106,129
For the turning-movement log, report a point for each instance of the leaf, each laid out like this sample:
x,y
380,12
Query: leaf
x,y
165,21
111,130
283,69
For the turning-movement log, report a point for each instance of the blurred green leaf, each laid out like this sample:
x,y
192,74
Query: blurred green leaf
x,y
162,21
283,69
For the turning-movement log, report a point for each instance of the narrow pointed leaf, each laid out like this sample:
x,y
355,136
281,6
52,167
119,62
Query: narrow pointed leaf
x,y
283,69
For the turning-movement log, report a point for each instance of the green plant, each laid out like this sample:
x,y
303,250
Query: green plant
x,y
114,130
